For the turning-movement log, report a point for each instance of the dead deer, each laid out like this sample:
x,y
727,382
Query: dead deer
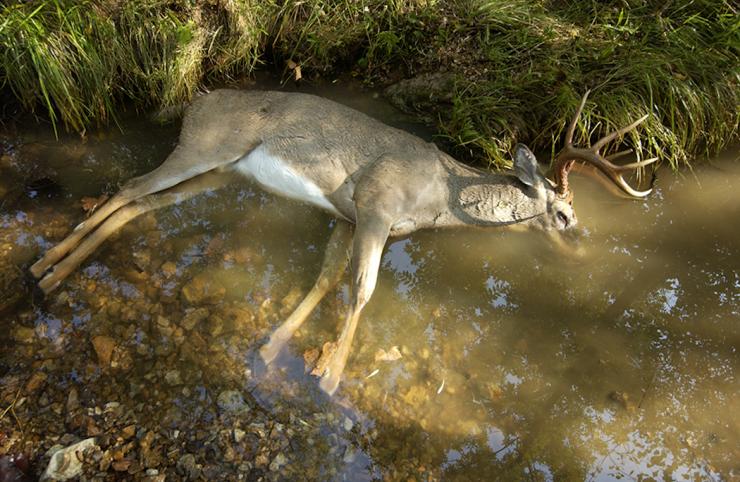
x,y
378,182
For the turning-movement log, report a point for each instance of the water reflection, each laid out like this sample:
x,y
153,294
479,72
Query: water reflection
x,y
517,362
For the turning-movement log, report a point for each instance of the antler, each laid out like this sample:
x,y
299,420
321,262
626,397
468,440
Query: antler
x,y
569,154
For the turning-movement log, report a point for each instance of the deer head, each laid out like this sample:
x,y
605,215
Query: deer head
x,y
559,198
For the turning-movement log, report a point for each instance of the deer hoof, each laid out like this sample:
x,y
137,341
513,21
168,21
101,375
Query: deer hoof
x,y
329,382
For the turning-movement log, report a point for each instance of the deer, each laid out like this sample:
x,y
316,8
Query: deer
x,y
377,181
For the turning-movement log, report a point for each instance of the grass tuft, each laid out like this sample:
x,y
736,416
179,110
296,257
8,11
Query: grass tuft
x,y
517,67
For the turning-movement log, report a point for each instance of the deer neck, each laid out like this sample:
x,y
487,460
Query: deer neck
x,y
482,198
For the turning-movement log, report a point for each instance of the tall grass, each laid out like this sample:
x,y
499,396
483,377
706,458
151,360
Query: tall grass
x,y
518,67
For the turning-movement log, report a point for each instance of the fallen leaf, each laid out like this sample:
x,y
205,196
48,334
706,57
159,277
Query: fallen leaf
x,y
326,354
90,204
390,355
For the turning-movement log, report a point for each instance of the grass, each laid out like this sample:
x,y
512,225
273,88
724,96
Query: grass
x,y
515,68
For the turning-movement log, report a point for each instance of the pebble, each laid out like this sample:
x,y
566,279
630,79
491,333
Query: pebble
x,y
202,290
278,462
194,317
231,401
173,378
24,334
348,424
65,463
239,435
169,269
36,381
104,346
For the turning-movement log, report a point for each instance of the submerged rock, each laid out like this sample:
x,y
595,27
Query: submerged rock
x,y
203,290
14,468
104,346
231,401
187,467
194,317
24,334
12,286
66,463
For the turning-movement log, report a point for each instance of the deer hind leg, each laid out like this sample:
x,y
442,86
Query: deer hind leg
x,y
173,170
367,248
208,181
332,269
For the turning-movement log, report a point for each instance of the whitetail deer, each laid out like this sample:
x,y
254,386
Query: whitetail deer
x,y
384,181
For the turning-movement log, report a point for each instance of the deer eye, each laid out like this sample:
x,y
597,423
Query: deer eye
x,y
563,218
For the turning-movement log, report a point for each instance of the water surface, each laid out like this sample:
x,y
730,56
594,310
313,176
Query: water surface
x,y
519,360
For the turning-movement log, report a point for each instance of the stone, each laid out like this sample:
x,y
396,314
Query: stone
x,y
66,463
391,355
239,435
173,378
186,466
348,424
202,290
169,269
73,400
104,346
36,381
194,317
24,334
142,259
128,432
278,462
231,401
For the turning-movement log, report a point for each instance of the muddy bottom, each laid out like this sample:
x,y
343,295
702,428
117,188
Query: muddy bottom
x,y
482,354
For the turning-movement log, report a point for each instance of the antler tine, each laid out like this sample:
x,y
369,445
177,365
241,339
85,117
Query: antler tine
x,y
635,165
618,133
572,126
569,154
619,154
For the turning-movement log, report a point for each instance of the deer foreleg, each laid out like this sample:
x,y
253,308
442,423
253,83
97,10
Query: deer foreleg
x,y
332,269
181,192
367,248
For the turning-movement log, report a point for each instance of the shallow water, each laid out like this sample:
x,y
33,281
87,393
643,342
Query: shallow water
x,y
519,361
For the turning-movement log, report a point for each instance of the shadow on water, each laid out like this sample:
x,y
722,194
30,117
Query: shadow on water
x,y
516,361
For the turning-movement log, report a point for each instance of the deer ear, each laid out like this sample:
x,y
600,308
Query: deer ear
x,y
525,166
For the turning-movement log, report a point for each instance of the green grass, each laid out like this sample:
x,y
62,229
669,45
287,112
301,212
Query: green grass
x,y
517,67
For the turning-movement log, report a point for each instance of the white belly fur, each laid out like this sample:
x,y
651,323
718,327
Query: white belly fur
x,y
275,175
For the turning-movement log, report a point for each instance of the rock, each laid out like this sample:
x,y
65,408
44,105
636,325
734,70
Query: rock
x,y
36,381
173,378
169,269
348,424
164,326
391,355
73,400
104,346
186,466
14,468
12,286
203,290
194,317
416,396
142,259
66,463
128,432
24,334
424,93
231,401
623,399
239,435
278,462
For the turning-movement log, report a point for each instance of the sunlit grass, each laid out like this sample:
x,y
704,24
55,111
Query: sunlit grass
x,y
518,66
